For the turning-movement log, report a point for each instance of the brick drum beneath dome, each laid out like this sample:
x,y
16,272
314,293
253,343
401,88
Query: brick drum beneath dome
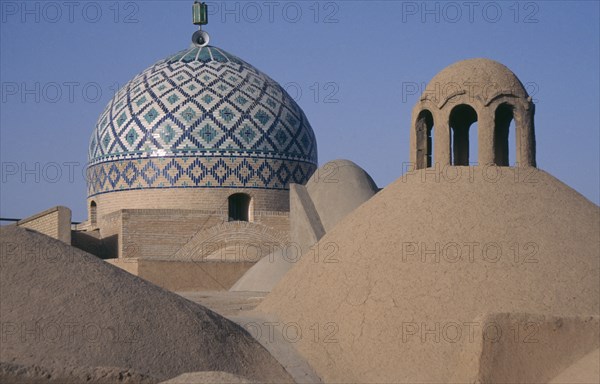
x,y
192,146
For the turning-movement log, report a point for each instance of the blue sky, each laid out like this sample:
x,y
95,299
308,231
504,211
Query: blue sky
x,y
61,62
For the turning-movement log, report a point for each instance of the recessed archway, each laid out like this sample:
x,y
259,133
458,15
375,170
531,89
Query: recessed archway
x,y
424,134
239,207
93,212
463,139
503,122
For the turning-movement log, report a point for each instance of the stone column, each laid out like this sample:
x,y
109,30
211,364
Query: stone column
x,y
485,136
441,140
525,136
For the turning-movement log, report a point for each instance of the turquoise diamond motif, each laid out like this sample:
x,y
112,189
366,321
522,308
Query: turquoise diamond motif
x,y
151,115
141,101
305,140
173,99
281,137
208,133
131,136
121,119
167,134
248,134
292,120
262,117
227,114
188,115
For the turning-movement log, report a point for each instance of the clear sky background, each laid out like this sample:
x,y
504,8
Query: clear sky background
x,y
61,62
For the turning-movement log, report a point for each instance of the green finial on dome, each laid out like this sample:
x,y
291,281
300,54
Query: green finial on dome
x,y
200,17
200,13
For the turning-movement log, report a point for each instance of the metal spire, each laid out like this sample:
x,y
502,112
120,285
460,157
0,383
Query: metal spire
x,y
200,18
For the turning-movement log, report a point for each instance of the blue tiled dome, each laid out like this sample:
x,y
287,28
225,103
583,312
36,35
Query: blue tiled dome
x,y
201,118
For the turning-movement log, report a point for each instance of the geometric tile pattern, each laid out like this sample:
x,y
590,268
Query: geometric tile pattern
x,y
194,172
205,105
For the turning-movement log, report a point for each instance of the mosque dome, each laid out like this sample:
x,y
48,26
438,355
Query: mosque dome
x,y
201,118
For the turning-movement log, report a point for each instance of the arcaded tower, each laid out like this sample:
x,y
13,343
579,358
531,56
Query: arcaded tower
x,y
475,90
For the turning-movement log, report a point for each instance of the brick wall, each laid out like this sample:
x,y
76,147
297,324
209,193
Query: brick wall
x,y
192,276
54,222
233,241
160,233
111,233
156,223
213,199
185,276
279,221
